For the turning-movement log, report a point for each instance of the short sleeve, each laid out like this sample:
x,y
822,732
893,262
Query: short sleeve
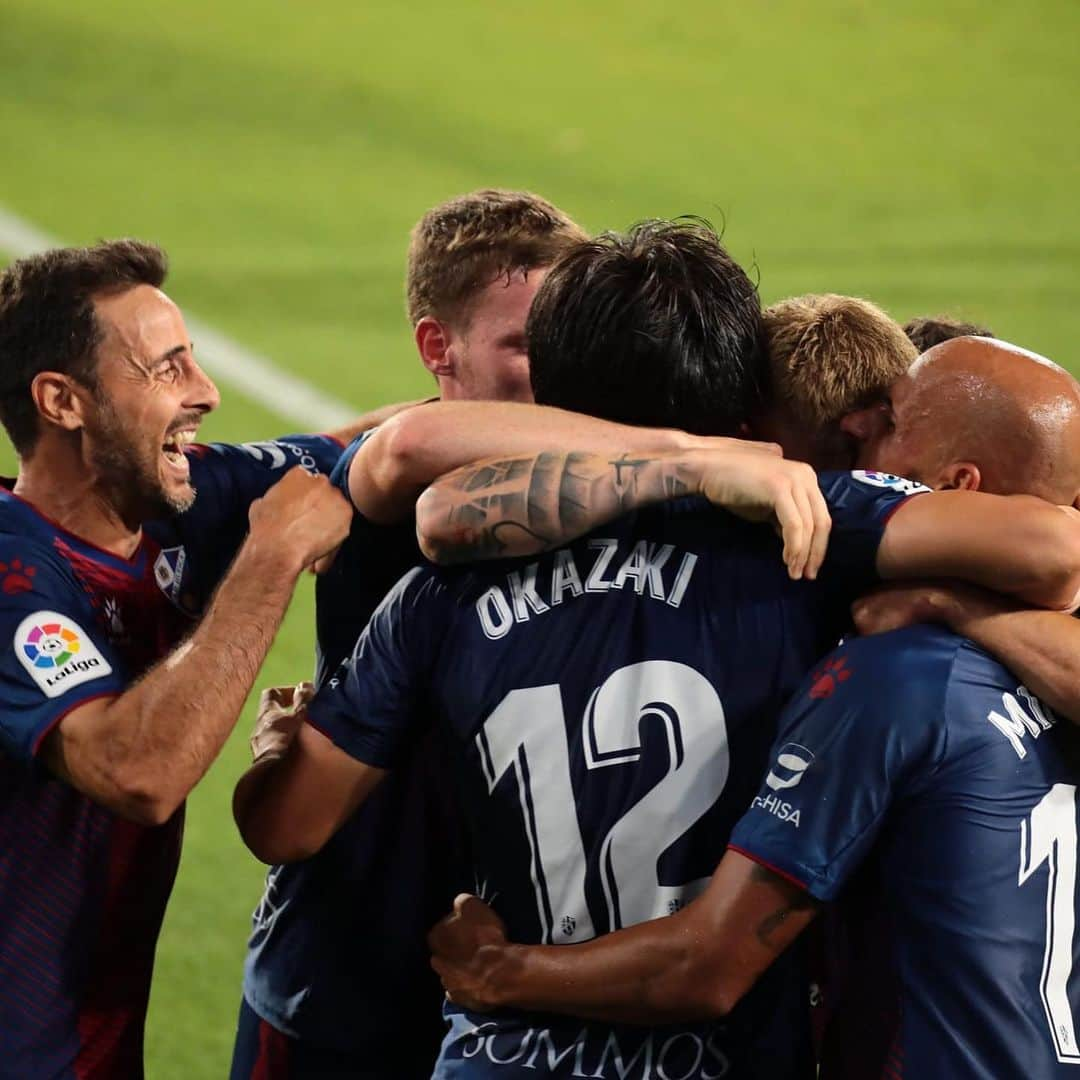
x,y
860,504
339,477
373,706
229,477
854,739
57,656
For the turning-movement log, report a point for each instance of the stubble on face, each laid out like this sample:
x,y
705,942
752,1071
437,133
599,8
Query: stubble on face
x,y
126,463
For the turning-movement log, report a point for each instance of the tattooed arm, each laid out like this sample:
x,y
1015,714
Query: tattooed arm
x,y
524,505
691,965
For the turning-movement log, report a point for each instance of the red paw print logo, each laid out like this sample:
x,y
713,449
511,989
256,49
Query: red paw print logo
x,y
16,578
829,678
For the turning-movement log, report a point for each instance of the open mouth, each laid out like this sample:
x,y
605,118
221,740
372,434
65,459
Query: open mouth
x,y
173,448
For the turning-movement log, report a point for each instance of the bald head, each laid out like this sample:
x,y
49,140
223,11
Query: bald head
x,y
978,413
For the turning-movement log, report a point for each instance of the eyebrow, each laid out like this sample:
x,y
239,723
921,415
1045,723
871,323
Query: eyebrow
x,y
176,350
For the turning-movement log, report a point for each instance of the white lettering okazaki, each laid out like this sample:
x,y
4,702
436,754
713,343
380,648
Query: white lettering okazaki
x,y
654,570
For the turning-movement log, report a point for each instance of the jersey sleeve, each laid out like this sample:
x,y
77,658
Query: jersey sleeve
x,y
229,477
373,706
860,504
859,734
339,477
57,658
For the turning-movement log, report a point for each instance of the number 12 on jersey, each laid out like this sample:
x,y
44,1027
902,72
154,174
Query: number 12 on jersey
x,y
526,735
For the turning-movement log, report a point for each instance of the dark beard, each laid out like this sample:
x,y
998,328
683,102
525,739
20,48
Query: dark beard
x,y
131,481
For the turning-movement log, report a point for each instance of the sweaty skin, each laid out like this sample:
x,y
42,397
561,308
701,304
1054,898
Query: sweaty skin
x,y
981,414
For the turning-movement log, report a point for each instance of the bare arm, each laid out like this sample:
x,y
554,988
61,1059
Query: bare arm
x,y
529,504
1014,544
1042,648
522,505
141,753
694,964
367,421
297,794
418,446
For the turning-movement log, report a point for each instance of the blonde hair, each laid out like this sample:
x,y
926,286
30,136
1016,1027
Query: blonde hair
x,y
461,246
830,354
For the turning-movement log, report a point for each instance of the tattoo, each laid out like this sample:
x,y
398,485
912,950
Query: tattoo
x,y
797,901
529,505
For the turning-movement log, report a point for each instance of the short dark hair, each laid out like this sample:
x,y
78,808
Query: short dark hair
x,y
47,320
463,245
926,332
657,326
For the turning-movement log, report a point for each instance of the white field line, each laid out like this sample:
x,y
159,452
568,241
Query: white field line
x,y
255,376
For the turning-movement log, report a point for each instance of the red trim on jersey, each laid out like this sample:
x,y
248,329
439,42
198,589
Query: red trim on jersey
x,y
133,558
900,505
273,1060
769,866
60,716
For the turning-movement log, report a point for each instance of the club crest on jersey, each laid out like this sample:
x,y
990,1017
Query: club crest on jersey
x,y
887,480
792,761
169,572
57,653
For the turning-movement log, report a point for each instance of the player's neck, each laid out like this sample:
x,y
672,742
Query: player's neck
x,y
64,490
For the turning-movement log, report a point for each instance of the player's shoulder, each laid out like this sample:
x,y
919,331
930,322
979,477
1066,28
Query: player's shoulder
x,y
900,670
27,542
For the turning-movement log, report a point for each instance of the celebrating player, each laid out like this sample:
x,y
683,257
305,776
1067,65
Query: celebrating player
x,y
107,559
474,264
604,707
913,780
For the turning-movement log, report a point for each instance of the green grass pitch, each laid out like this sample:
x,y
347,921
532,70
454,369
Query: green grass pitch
x,y
921,154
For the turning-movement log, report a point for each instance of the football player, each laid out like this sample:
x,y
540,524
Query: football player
x,y
604,709
913,781
124,670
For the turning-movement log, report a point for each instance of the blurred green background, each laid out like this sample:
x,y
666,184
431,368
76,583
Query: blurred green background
x,y
923,154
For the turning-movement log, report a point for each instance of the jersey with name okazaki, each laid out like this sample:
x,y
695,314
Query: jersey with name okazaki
x,y
366,901
914,780
607,710
82,891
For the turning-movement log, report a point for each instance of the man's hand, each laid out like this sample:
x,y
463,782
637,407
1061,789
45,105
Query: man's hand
x,y
281,712
303,516
468,948
760,486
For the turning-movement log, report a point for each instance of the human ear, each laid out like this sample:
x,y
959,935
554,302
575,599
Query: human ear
x,y
433,343
58,400
960,476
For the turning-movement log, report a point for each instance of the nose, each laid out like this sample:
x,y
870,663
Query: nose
x,y
865,425
202,394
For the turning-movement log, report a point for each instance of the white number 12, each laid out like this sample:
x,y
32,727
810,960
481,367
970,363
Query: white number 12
x,y
526,734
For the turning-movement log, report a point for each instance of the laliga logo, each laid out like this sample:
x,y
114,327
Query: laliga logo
x,y
792,761
57,653
51,645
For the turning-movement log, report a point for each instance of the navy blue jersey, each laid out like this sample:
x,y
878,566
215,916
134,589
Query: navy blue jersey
x,y
82,892
608,709
915,780
366,901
